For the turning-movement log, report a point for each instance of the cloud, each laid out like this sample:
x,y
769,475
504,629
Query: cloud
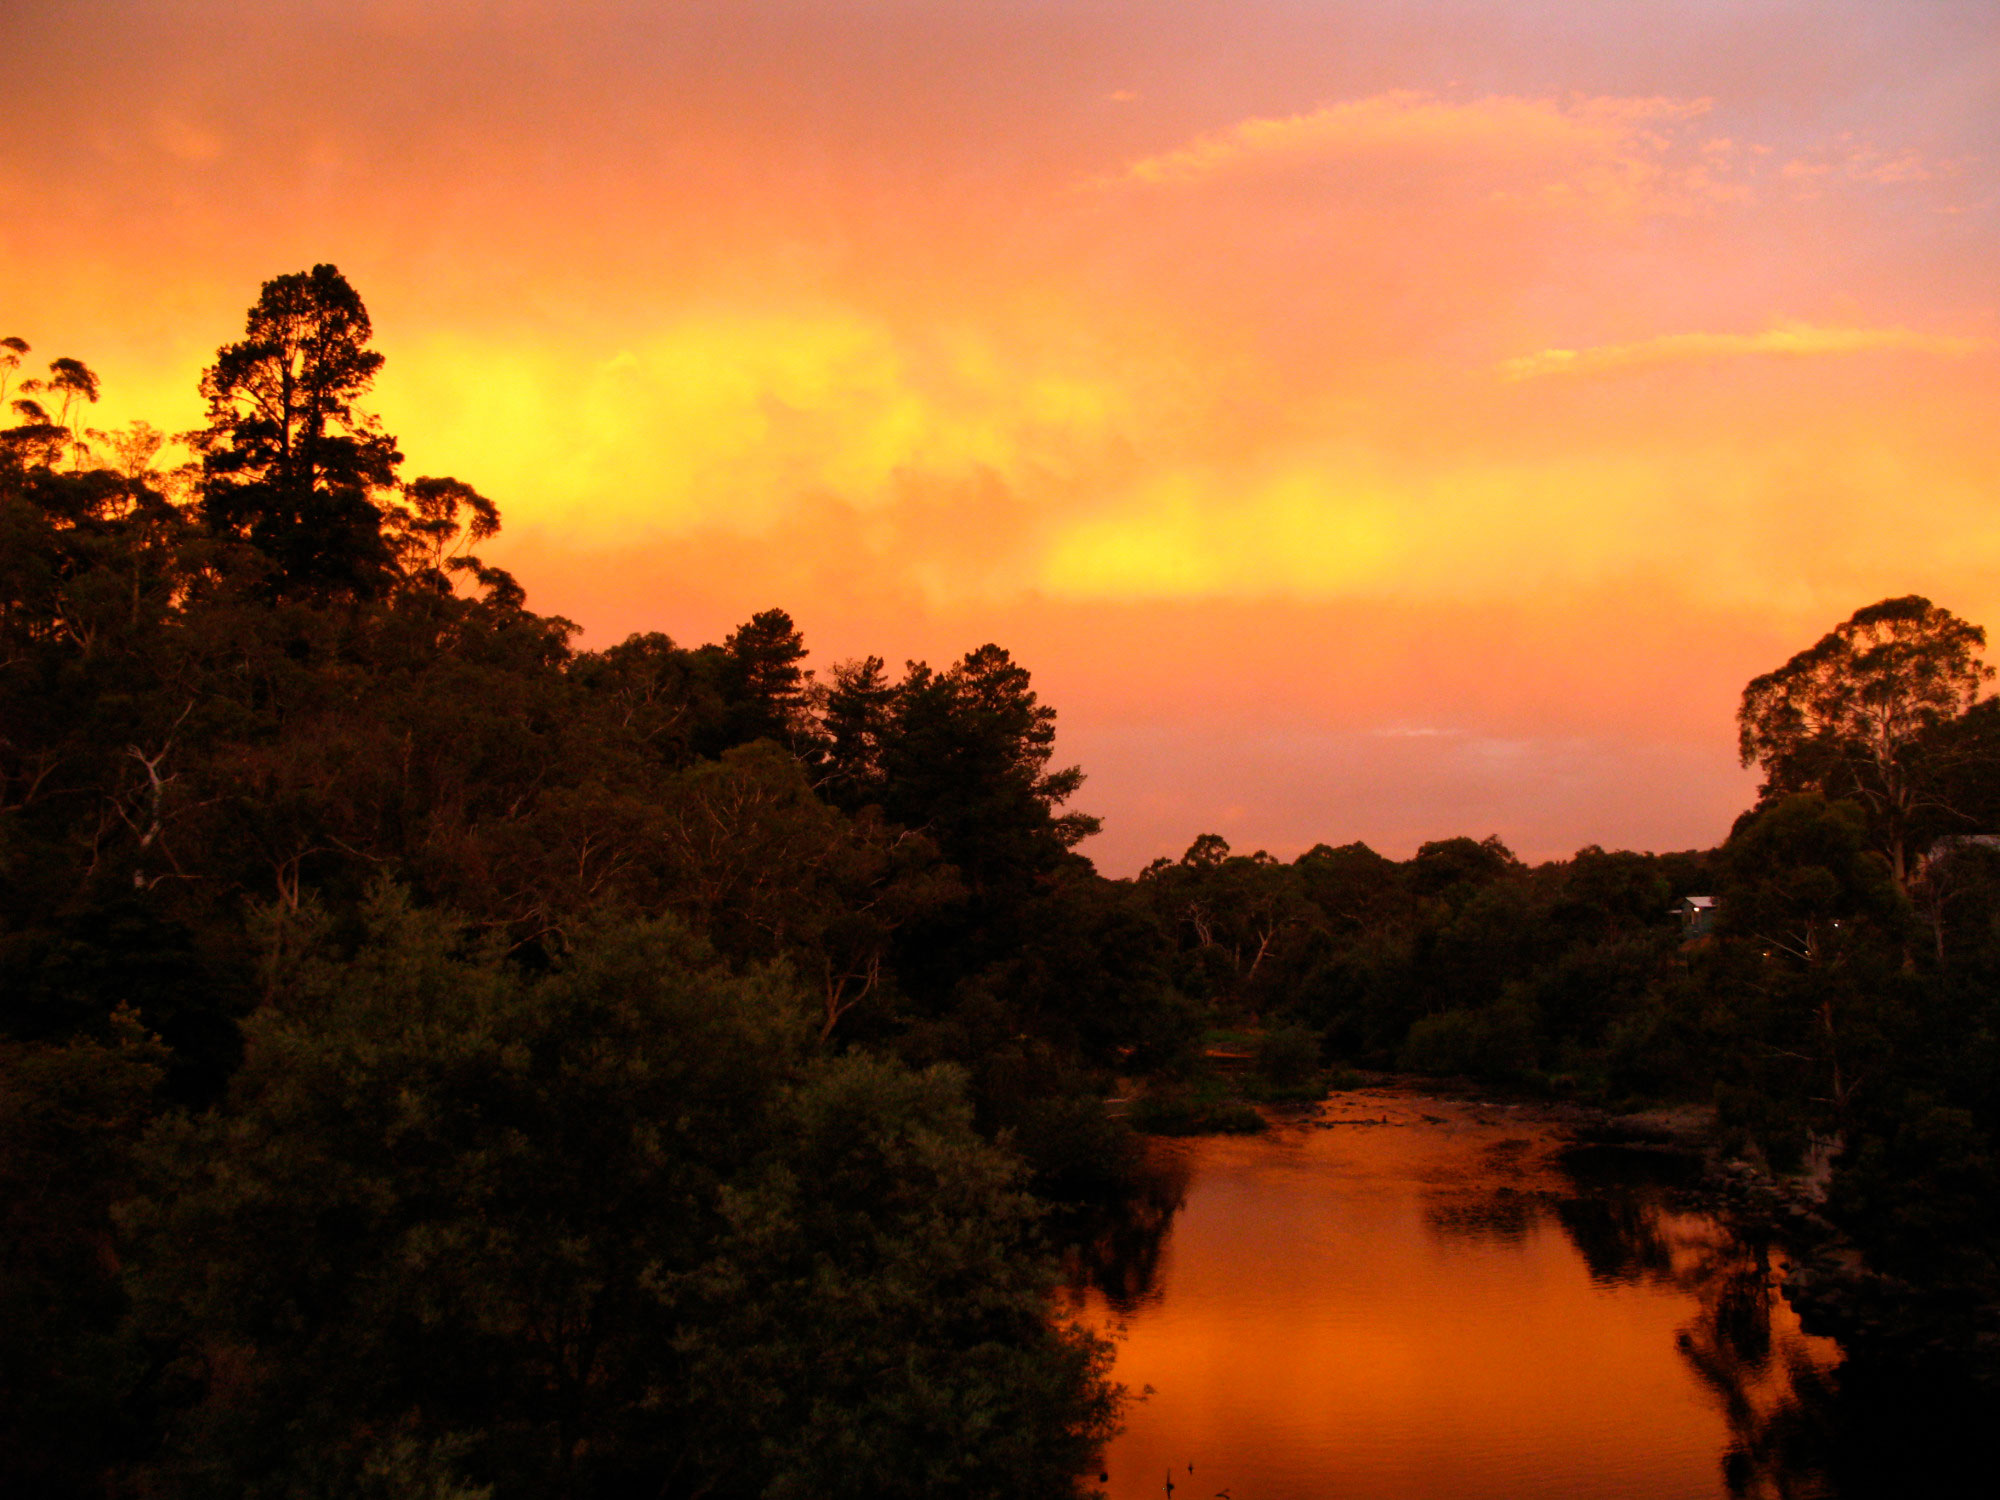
x,y
1904,167
1794,340
186,141
1303,532
1746,505
743,423
1348,522
1597,145
1867,163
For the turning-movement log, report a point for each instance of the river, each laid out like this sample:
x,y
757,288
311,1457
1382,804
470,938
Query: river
x,y
1395,1296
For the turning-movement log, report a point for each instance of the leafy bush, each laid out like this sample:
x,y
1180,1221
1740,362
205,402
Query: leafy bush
x,y
1204,1107
1495,1043
1288,1056
574,1233
1076,1151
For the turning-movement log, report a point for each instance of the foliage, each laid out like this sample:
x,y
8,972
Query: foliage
x,y
71,1373
1818,922
232,712
386,1241
289,464
1495,1044
1196,1106
1849,715
1288,1056
1927,1186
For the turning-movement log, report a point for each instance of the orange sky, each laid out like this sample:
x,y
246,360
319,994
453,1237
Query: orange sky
x,y
1367,420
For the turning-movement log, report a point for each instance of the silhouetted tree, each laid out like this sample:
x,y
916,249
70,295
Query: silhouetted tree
x,y
968,762
767,694
857,722
289,463
1819,921
1849,715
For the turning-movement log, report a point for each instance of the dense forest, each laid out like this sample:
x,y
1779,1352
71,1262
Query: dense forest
x,y
436,1060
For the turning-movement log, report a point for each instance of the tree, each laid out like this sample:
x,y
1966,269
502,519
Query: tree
x,y
1848,715
288,462
964,761
967,762
70,1120
431,526
881,1332
11,350
768,871
43,435
1233,915
1454,869
602,1231
859,717
1802,891
767,693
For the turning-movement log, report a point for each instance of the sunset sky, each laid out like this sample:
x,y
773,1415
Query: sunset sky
x,y
1367,420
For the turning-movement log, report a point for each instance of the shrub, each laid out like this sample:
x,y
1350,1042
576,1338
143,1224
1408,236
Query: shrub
x,y
1288,1056
1495,1043
1203,1108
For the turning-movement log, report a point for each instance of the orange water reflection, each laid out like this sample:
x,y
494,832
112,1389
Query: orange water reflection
x,y
1442,1305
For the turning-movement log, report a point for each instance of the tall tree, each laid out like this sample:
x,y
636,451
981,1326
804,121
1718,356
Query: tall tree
x,y
1848,715
860,714
43,434
289,464
766,694
968,762
1803,891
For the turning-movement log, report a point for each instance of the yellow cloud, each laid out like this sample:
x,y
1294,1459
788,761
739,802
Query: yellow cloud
x,y
731,420
1704,519
1494,129
1303,532
1785,339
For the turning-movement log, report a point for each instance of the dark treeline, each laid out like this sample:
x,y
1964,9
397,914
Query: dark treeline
x,y
1837,999
440,1061
436,1060
1840,998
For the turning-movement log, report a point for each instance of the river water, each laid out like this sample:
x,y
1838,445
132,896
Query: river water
x,y
1395,1296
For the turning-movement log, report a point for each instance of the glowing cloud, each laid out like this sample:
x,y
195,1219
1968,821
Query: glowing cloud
x,y
1301,533
1602,146
733,421
1790,340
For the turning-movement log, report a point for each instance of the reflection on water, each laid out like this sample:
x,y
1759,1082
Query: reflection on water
x,y
1116,1254
1404,1297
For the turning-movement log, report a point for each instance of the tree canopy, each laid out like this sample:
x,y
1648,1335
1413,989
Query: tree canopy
x,y
1850,714
289,463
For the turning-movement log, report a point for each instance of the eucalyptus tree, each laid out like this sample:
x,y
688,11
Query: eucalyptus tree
x,y
1853,714
45,405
